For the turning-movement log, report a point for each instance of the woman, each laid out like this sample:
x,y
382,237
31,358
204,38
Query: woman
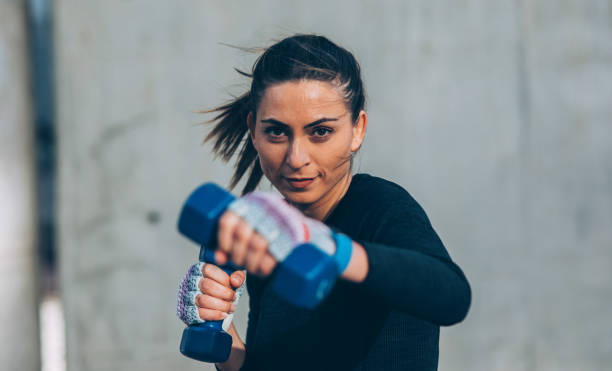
x,y
304,120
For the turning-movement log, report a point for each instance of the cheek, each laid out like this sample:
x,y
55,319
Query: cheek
x,y
270,159
337,155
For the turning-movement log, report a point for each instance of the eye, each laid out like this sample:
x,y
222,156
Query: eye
x,y
275,132
321,131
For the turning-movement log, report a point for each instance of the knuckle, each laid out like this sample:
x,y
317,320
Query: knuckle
x,y
258,244
206,285
214,272
238,256
226,220
207,302
267,265
228,294
202,313
243,230
253,261
216,290
265,270
206,270
251,266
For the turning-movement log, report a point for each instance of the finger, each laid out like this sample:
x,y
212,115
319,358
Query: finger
x,y
242,236
210,302
237,278
213,288
268,263
258,247
225,231
215,273
211,314
221,257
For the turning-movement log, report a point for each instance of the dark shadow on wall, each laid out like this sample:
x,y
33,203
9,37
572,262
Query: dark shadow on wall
x,y
39,21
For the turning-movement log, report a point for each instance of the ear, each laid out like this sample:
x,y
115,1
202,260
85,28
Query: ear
x,y
359,129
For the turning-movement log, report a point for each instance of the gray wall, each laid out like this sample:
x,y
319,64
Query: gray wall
x,y
18,287
494,115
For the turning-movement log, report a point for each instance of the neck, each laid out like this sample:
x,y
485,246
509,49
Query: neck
x,y
324,206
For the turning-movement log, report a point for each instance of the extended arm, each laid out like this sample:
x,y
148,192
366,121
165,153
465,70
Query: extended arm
x,y
408,268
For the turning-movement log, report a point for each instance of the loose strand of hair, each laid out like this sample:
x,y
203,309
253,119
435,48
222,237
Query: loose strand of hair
x,y
230,128
254,177
246,158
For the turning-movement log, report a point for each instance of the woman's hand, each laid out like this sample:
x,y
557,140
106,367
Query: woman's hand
x,y
238,241
207,293
261,229
217,292
258,231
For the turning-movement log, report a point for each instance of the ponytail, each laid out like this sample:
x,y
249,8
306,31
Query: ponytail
x,y
229,133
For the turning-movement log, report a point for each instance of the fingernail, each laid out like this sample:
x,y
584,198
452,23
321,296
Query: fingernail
x,y
232,308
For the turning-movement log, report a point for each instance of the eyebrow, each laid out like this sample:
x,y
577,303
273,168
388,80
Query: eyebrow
x,y
319,121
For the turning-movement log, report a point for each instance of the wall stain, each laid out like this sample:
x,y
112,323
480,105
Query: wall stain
x,y
120,128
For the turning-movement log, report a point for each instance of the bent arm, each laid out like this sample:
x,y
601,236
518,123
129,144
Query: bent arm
x,y
236,357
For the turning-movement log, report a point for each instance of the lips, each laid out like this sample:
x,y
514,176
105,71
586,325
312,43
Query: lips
x,y
299,182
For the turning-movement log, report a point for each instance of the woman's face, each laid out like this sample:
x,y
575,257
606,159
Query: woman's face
x,y
304,137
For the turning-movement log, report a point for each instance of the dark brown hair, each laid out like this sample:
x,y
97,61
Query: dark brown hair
x,y
298,57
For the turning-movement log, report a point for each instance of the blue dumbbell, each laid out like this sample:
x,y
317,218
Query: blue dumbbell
x,y
206,342
304,278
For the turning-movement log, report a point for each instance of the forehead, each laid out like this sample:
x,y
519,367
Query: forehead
x,y
305,99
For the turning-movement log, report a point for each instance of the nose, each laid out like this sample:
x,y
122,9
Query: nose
x,y
297,155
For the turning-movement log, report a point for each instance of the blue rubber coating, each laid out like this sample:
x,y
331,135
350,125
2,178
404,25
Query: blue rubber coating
x,y
206,343
306,276
201,212
344,249
215,325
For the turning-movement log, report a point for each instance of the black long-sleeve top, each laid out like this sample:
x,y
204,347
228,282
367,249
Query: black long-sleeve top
x,y
388,322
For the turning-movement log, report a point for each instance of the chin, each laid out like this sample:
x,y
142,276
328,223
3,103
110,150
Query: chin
x,y
296,197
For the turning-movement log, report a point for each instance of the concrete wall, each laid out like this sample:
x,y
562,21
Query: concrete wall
x,y
18,281
494,115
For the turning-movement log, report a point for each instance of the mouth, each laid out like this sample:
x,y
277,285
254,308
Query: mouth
x,y
299,183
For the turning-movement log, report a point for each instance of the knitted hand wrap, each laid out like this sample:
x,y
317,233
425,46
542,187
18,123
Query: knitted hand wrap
x,y
282,225
188,289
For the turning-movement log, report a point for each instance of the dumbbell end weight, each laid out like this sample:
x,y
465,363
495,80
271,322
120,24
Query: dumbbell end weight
x,y
306,276
206,342
200,213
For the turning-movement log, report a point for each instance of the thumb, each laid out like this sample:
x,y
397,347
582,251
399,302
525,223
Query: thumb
x,y
237,278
